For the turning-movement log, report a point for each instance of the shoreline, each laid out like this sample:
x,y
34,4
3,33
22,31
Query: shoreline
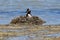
x,y
30,30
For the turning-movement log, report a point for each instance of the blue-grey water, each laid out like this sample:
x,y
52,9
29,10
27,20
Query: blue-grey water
x,y
51,16
48,10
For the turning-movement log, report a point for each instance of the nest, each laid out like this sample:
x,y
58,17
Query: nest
x,y
34,20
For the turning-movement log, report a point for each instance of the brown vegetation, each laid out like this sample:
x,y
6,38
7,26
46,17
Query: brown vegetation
x,y
25,20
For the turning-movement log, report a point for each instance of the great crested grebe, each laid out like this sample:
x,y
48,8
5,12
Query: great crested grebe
x,y
28,13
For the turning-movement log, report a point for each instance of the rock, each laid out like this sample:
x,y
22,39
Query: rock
x,y
34,20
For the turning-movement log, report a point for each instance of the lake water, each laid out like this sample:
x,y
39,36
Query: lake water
x,y
48,10
51,16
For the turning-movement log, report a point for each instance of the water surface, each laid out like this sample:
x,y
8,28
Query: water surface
x,y
51,16
48,10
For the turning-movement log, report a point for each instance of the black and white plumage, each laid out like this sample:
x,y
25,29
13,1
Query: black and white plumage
x,y
28,13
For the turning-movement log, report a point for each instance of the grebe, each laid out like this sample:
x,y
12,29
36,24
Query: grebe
x,y
28,13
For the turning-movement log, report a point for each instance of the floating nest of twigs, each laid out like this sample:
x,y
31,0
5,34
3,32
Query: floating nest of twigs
x,y
34,20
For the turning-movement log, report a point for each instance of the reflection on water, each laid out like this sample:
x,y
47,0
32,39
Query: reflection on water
x,y
18,38
26,37
54,35
37,35
15,38
33,37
